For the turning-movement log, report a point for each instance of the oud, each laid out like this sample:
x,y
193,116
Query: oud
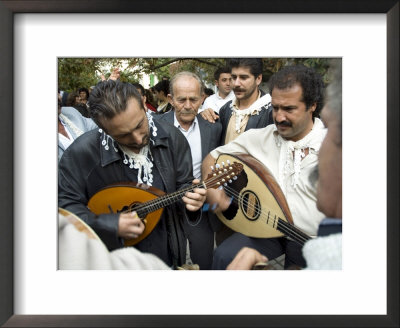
x,y
259,208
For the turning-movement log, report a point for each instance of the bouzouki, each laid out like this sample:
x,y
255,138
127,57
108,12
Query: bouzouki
x,y
259,208
149,202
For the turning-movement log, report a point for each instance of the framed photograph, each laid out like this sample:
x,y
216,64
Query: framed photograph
x,y
34,34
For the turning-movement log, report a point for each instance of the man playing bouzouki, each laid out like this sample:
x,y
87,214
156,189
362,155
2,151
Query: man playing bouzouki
x,y
289,149
129,147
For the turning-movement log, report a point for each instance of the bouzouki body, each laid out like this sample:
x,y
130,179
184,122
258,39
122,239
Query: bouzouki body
x,y
259,208
118,197
149,202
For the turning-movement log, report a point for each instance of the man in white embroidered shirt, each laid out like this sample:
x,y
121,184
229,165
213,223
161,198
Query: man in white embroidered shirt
x,y
223,80
289,149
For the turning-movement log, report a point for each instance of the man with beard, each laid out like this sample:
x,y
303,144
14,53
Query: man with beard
x,y
289,149
250,108
186,94
129,146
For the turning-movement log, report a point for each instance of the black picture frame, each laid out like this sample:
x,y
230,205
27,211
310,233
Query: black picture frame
x,y
7,11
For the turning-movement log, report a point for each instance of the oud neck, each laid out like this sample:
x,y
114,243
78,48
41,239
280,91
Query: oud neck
x,y
291,231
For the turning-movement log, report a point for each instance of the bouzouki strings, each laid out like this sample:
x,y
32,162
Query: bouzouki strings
x,y
285,227
212,182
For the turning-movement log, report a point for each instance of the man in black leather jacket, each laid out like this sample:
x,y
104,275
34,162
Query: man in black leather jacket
x,y
129,147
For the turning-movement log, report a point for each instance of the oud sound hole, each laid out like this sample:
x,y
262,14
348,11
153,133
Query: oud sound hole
x,y
250,205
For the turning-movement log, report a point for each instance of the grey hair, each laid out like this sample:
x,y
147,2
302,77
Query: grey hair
x,y
185,73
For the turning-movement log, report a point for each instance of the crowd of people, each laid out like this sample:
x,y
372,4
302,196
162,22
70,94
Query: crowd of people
x,y
165,152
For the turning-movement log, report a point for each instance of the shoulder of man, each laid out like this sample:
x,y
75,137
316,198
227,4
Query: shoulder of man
x,y
215,127
168,117
75,116
83,147
225,107
168,129
71,112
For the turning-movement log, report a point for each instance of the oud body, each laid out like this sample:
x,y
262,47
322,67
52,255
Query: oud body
x,y
259,208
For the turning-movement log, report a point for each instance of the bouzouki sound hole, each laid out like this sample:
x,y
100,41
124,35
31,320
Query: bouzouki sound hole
x,y
250,205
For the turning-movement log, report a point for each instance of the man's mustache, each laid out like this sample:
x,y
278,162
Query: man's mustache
x,y
186,112
238,90
283,123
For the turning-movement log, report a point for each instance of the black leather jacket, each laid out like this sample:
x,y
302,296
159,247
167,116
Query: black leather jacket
x,y
86,167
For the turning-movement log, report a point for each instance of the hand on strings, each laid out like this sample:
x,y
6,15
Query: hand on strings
x,y
246,259
195,200
130,225
218,200
209,115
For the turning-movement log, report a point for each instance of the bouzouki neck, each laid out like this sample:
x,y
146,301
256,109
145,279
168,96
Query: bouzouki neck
x,y
145,208
215,179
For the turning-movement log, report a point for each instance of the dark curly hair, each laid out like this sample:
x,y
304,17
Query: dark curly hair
x,y
85,91
110,98
221,70
309,80
255,64
163,86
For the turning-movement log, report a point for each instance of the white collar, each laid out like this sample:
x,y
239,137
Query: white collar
x,y
228,96
178,125
294,151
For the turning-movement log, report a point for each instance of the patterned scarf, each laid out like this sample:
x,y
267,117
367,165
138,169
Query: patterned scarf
x,y
296,150
254,109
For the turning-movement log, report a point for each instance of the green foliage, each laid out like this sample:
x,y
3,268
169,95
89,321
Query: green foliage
x,y
74,73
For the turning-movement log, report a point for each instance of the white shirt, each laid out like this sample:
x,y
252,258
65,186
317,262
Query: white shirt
x,y
215,101
284,159
193,137
63,139
324,253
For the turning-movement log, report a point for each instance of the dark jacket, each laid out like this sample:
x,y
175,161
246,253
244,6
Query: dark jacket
x,y
261,120
210,134
86,167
